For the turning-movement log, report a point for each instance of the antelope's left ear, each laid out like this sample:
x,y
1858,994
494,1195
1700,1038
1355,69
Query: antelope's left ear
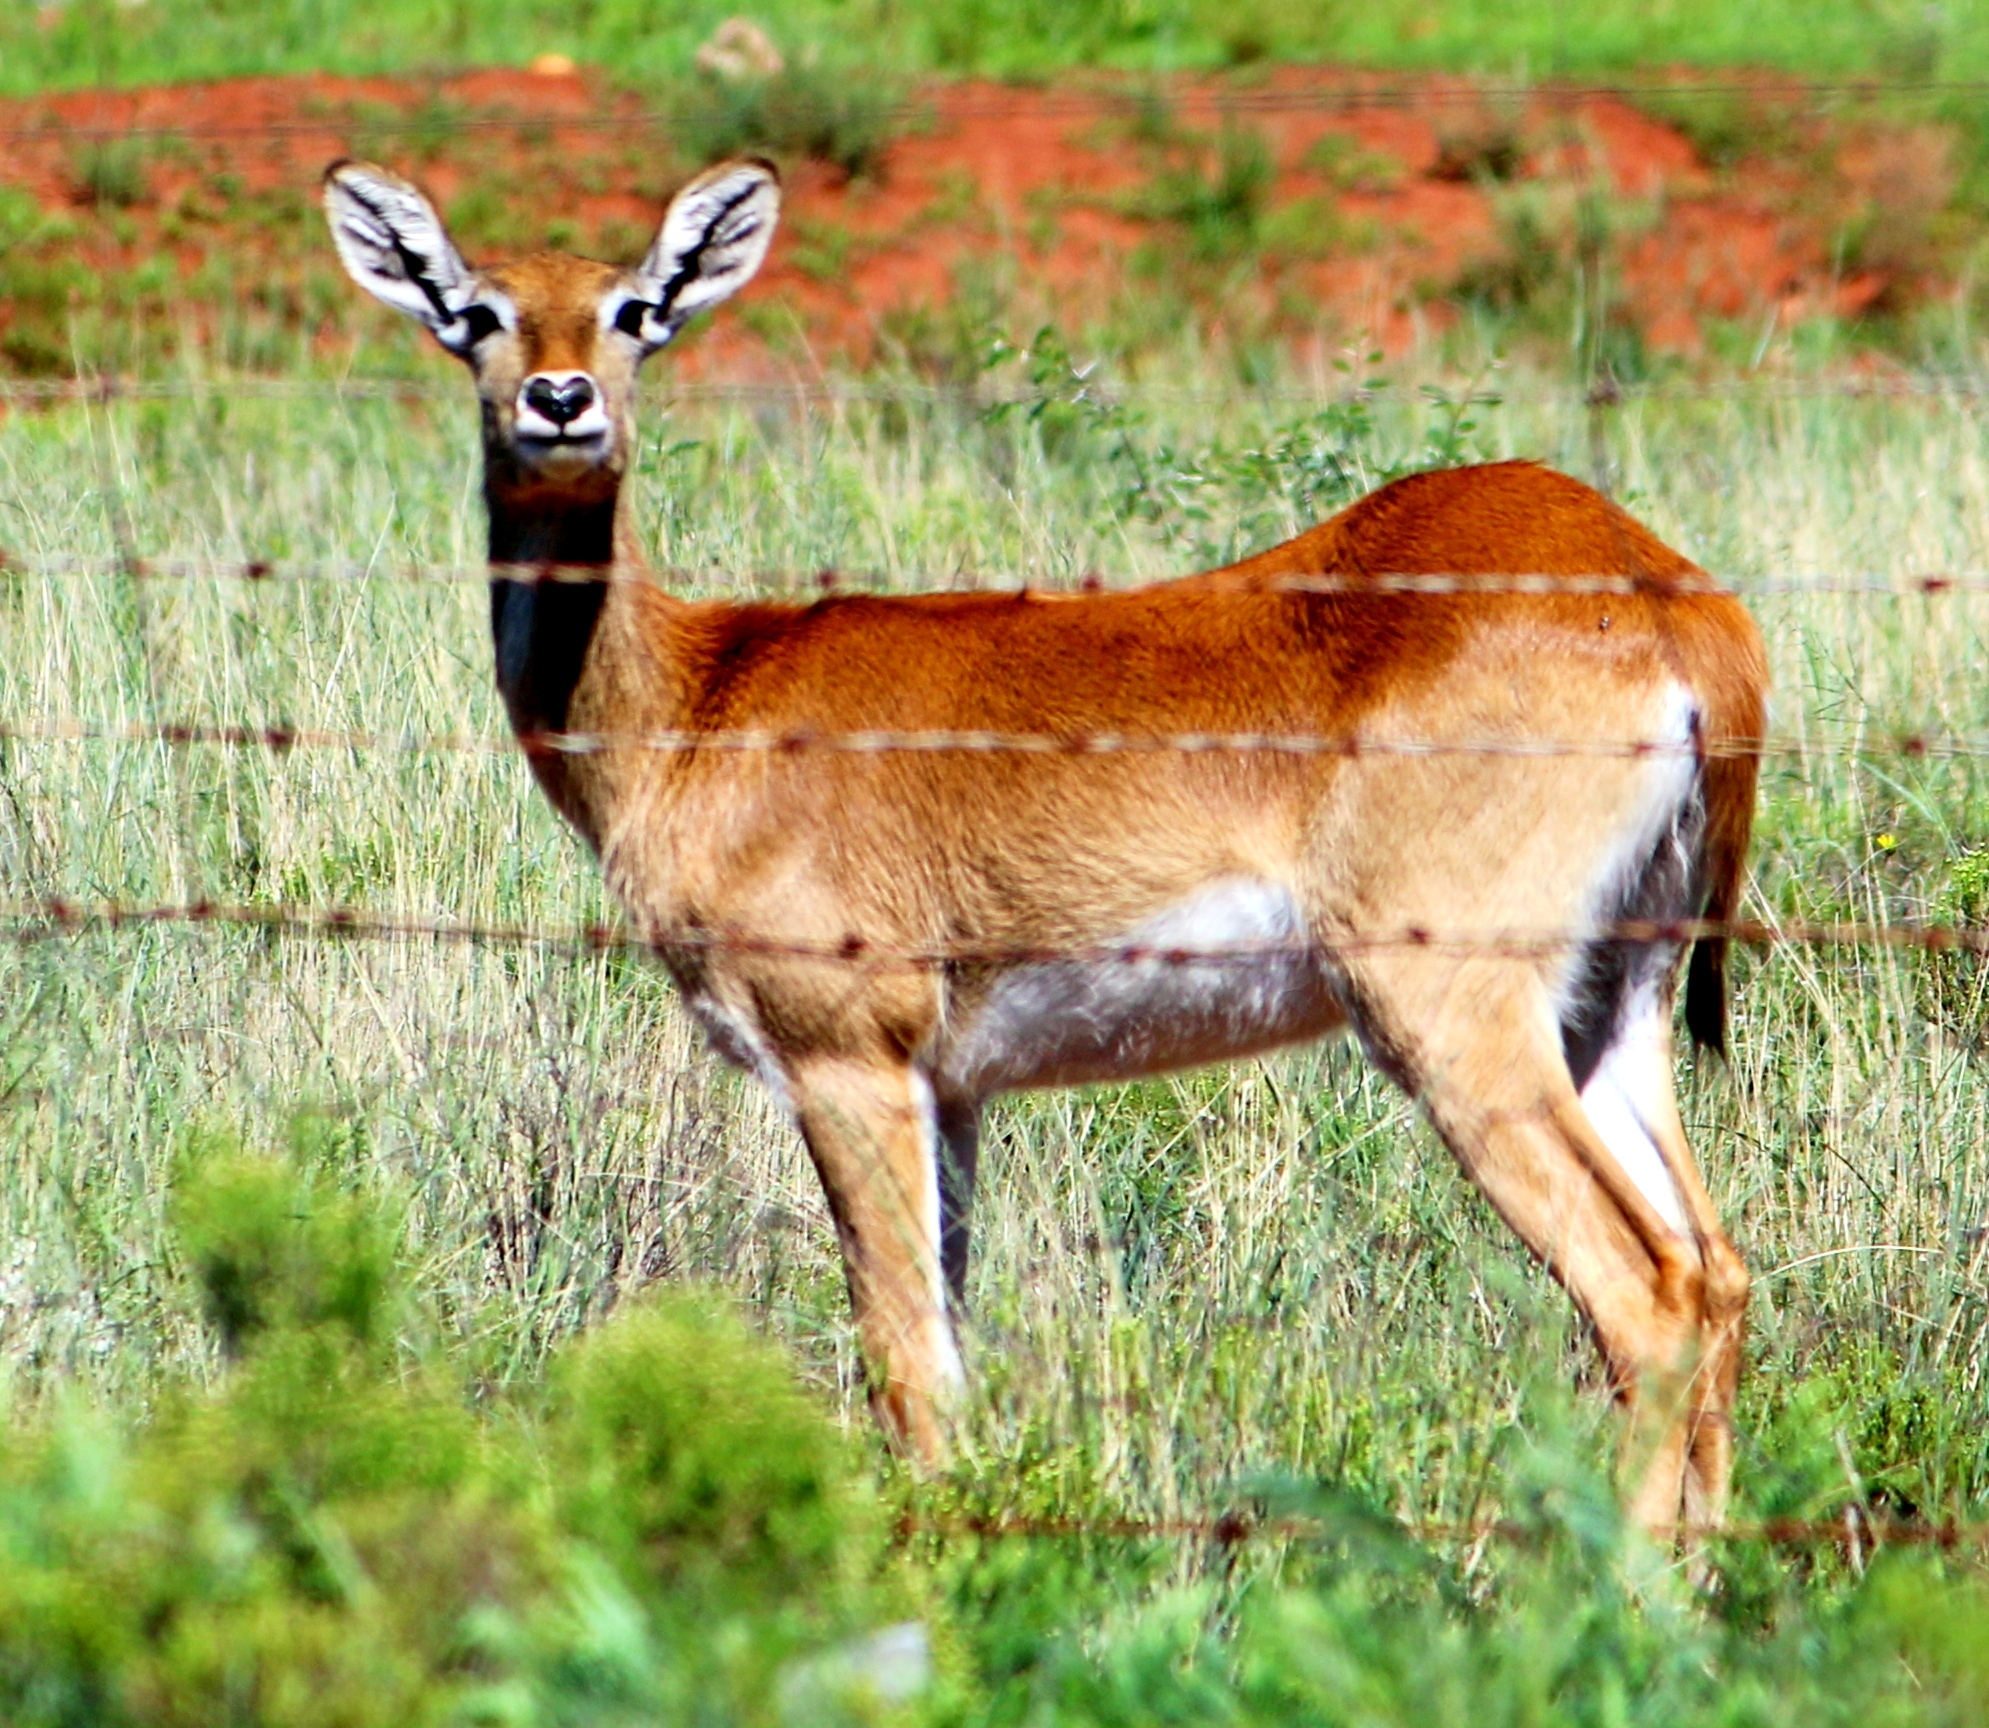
x,y
394,246
713,238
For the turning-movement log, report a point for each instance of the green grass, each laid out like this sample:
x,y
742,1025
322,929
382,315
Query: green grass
x,y
1261,1284
99,41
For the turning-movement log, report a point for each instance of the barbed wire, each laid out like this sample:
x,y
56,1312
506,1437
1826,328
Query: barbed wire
x,y
25,922
770,741
44,392
843,584
978,101
1856,1530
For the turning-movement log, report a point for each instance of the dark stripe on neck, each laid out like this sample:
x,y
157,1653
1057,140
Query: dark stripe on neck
x,y
542,629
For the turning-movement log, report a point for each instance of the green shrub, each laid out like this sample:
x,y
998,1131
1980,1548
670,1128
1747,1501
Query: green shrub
x,y
684,1447
333,1535
1218,195
272,1250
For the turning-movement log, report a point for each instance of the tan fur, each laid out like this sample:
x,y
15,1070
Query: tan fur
x,y
965,852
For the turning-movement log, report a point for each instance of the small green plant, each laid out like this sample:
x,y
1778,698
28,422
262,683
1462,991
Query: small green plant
x,y
1725,125
112,173
1218,195
1479,145
840,115
1351,167
1954,986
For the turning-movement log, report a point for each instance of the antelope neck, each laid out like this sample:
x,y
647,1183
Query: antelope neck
x,y
543,629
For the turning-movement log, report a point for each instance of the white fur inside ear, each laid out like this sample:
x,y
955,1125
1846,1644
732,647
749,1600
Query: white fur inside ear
x,y
394,246
714,236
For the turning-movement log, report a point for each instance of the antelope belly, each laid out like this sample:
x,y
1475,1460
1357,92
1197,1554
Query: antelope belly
x,y
1062,1023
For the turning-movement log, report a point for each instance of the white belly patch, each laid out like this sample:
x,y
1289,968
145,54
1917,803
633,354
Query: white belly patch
x,y
1062,1023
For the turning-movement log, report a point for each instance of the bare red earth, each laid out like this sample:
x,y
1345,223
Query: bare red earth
x,y
1377,206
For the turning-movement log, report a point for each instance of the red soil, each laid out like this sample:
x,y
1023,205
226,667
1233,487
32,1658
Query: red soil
x,y
1368,220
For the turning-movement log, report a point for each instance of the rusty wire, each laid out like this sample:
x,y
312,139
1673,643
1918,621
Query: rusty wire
x,y
282,738
841,584
30,921
1856,1531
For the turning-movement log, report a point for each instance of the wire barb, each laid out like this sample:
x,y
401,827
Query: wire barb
x,y
31,921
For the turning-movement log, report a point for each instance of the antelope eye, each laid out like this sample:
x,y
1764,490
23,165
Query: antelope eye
x,y
480,321
629,319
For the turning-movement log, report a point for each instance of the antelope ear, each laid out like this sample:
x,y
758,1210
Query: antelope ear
x,y
394,246
714,236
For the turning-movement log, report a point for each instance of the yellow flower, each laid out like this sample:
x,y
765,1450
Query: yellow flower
x,y
1886,842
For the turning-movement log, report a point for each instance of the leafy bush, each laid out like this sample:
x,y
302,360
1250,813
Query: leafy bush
x,y
112,171
1222,500
332,1535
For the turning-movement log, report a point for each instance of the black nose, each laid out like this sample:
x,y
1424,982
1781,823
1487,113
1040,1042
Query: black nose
x,y
560,399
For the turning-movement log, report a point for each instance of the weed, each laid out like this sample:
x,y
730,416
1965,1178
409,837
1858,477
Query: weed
x,y
1218,197
839,115
1725,125
325,1533
822,250
112,173
1955,987
1351,168
1904,180
1478,145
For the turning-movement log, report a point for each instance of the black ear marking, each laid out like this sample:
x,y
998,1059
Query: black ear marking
x,y
413,266
395,246
481,322
714,237
691,265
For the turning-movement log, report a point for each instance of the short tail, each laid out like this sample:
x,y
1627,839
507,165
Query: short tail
x,y
1706,994
1729,788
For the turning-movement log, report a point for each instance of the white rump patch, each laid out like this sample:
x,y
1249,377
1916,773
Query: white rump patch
x,y
1620,1099
945,1348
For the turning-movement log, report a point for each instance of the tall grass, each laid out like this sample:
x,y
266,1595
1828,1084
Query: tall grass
x,y
1184,1289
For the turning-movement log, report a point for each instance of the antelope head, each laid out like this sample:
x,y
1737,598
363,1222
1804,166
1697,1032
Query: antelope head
x,y
553,341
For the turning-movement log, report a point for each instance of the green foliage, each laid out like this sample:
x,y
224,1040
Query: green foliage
x,y
272,1250
37,279
1217,500
843,115
685,1450
329,1536
91,41
1218,197
112,171
1955,985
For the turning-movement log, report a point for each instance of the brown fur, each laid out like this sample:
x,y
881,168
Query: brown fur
x,y
957,851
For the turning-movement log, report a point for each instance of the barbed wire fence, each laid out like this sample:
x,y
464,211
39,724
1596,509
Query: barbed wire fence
x,y
30,921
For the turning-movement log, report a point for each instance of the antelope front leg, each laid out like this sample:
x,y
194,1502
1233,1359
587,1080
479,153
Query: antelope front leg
x,y
870,1129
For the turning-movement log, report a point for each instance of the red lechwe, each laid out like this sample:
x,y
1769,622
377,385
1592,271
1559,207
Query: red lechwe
x,y
890,936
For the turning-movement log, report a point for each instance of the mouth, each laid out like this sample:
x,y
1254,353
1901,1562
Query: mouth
x,y
562,450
